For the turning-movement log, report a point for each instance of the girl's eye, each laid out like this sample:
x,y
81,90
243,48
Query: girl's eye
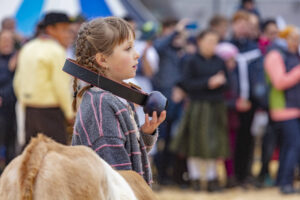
x,y
128,48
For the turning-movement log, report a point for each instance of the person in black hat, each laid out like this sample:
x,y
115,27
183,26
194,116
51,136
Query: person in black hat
x,y
40,84
57,25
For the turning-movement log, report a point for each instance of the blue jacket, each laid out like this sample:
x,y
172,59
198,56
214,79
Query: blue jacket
x,y
6,86
169,65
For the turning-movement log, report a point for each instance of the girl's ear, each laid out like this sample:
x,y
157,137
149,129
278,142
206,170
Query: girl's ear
x,y
101,59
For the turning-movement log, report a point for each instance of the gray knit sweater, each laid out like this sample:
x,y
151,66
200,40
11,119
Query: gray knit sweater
x,y
107,125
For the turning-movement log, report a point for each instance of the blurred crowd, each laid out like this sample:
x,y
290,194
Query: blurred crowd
x,y
229,83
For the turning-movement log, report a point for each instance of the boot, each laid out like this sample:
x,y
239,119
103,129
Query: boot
x,y
214,186
231,182
196,185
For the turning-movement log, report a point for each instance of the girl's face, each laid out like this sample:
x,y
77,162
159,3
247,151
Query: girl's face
x,y
122,63
207,44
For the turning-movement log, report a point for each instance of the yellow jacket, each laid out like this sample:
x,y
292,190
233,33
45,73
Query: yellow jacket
x,y
39,80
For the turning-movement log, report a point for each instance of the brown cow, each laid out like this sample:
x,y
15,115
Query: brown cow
x,y
50,171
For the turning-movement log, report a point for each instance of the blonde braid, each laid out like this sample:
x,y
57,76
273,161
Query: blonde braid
x,y
85,56
86,51
75,89
85,88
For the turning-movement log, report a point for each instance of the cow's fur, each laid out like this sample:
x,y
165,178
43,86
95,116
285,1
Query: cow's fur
x,y
136,182
48,170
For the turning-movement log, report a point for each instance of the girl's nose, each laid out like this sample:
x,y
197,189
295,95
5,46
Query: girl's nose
x,y
136,55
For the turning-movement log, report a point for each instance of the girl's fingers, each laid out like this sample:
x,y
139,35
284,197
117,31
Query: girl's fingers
x,y
147,123
154,118
162,116
155,121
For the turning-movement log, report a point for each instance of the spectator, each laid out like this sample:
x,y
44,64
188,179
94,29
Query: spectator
x,y
7,100
170,48
134,25
269,35
244,140
228,53
40,84
271,137
202,134
74,28
168,26
131,21
148,62
249,6
283,69
9,24
240,32
254,28
220,25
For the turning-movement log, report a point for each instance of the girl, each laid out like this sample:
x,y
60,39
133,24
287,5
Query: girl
x,y
202,135
106,123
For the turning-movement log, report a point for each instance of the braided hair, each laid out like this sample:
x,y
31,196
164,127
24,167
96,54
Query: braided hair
x,y
100,35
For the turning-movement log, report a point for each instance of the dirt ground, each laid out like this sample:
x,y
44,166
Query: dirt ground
x,y
238,193
234,194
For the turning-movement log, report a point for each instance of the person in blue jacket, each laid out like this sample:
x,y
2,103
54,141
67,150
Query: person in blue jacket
x,y
7,99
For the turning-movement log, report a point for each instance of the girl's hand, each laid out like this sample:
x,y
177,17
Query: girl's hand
x,y
150,126
178,94
217,80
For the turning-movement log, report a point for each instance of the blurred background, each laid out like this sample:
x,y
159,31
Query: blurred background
x,y
231,72
200,11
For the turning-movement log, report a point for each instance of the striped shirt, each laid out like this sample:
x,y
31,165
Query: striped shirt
x,y
103,122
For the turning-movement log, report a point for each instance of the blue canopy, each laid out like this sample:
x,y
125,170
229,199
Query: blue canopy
x,y
29,12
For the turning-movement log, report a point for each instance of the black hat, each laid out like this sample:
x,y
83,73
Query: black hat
x,y
52,18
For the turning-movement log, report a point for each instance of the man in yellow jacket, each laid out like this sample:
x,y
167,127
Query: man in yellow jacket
x,y
40,84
